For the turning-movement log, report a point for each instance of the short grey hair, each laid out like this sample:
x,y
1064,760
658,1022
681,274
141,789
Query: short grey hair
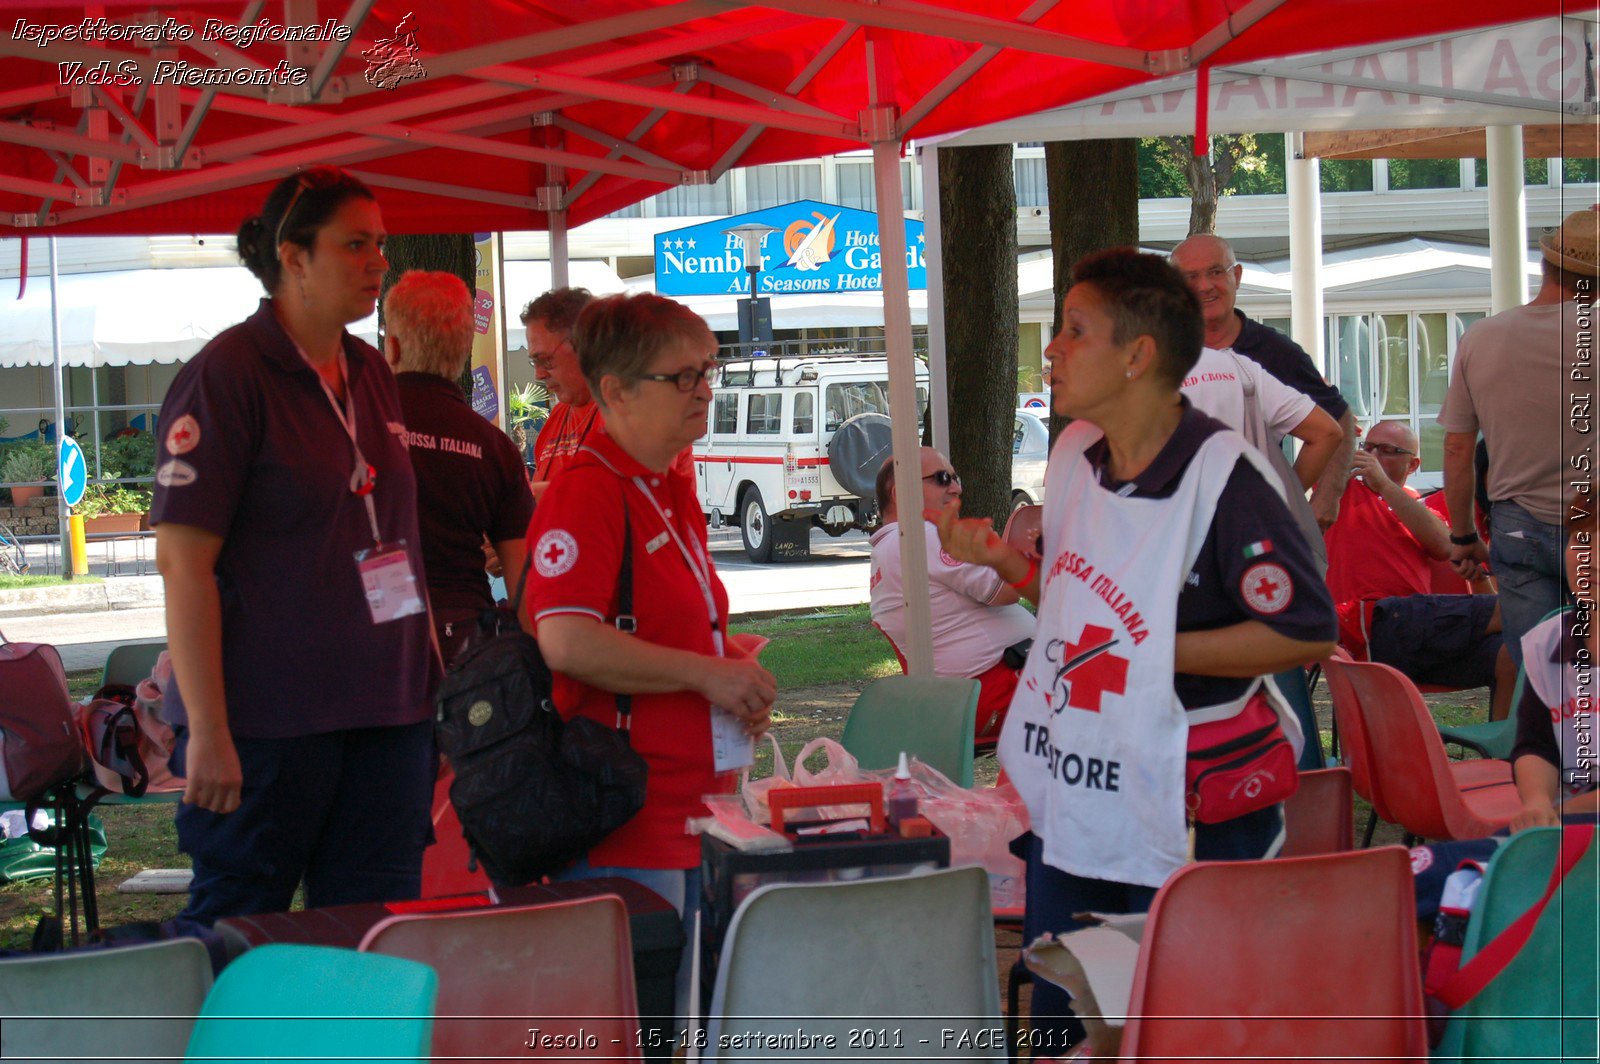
x,y
621,334
430,313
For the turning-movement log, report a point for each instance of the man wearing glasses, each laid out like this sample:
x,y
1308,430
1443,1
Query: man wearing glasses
x,y
548,322
1381,552
975,612
1208,265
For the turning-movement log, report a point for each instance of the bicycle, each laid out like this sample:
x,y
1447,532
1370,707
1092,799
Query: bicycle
x,y
13,559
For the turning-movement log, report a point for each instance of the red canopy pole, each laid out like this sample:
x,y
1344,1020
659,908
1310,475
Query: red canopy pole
x,y
880,125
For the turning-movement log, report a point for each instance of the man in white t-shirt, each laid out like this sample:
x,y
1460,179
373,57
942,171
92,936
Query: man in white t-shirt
x,y
1217,386
975,613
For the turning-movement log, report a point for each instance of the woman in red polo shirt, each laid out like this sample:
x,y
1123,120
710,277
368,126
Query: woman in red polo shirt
x,y
650,364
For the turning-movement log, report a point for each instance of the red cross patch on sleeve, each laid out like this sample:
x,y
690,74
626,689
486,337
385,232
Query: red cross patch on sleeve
x,y
1267,588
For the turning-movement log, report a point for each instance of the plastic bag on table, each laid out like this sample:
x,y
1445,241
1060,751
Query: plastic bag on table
x,y
980,823
840,769
754,792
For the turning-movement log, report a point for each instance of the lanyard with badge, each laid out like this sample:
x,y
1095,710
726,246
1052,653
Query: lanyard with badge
x,y
731,746
385,568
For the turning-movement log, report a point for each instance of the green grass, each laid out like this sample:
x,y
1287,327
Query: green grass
x,y
823,647
9,581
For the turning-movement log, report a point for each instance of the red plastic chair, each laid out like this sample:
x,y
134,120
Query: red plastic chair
x,y
1310,957
565,968
1408,779
1319,817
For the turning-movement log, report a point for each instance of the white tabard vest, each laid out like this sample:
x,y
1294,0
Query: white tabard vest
x,y
1095,738
1569,691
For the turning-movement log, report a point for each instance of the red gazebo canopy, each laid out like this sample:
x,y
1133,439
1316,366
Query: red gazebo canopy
x,y
159,117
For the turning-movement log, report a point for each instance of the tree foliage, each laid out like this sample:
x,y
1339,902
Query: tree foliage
x,y
1234,163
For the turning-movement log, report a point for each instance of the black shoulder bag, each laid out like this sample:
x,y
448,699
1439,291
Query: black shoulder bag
x,y
534,792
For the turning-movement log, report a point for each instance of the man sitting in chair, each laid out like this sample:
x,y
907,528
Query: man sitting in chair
x,y
1380,552
976,618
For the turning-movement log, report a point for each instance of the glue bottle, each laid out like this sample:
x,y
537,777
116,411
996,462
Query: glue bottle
x,y
902,795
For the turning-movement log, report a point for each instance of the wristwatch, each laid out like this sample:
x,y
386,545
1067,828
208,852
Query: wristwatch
x,y
1464,541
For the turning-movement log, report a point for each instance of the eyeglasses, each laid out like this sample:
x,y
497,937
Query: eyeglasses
x,y
688,380
1388,450
546,360
1215,274
943,477
318,177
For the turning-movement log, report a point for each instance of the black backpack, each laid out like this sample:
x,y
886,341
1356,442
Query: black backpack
x,y
533,792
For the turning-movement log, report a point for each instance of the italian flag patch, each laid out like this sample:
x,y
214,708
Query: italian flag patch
x,y
1258,548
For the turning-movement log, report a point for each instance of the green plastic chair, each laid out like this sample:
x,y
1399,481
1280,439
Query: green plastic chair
x,y
103,1004
130,663
930,718
1492,739
876,969
1542,1007
312,1004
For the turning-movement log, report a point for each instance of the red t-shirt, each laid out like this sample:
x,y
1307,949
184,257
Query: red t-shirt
x,y
562,433
1442,579
1371,556
575,542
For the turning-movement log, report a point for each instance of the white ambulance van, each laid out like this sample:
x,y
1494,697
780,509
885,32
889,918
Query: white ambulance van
x,y
794,442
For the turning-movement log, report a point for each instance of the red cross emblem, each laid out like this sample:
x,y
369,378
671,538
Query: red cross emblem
x,y
1087,670
553,553
1267,587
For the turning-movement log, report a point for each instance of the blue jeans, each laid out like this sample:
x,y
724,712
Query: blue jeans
x,y
349,812
1525,555
681,889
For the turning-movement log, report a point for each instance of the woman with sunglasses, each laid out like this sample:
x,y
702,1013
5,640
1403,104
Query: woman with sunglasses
x,y
650,364
1172,584
286,533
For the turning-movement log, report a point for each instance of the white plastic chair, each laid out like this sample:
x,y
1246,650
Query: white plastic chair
x,y
59,1006
901,966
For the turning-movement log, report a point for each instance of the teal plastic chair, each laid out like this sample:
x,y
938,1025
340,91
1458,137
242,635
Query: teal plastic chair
x,y
931,718
104,1004
312,1004
130,663
897,967
1542,1007
1492,739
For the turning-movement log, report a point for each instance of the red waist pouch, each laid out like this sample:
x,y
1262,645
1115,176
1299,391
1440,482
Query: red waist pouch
x,y
1240,764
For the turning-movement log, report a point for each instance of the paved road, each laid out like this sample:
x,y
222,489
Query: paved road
x,y
836,575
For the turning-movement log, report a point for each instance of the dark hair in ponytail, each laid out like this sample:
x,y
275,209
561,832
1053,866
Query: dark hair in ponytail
x,y
295,210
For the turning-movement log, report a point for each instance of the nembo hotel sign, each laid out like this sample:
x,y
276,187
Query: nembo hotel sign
x,y
815,247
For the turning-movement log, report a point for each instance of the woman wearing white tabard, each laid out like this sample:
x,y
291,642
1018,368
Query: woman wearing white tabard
x,y
1173,577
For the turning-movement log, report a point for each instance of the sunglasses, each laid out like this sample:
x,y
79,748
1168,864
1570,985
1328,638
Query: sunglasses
x,y
318,177
688,380
943,477
1388,450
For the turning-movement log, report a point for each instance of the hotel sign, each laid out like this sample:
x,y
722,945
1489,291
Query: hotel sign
x,y
815,247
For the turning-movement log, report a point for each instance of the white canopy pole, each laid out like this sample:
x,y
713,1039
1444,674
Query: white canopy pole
x,y
933,241
1305,251
1508,219
880,123
61,415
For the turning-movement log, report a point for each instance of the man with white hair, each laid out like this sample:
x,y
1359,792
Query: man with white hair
x,y
1518,378
1209,266
471,483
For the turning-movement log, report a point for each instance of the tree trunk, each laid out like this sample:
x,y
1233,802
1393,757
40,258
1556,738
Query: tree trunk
x,y
978,208
449,252
1094,204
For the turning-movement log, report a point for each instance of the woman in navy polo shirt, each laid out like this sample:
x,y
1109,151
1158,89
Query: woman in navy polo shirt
x,y
286,534
1173,579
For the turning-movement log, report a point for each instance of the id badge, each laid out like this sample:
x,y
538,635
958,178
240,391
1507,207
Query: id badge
x,y
731,746
388,581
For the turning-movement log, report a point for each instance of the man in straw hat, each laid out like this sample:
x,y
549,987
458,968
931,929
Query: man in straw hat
x,y
1525,379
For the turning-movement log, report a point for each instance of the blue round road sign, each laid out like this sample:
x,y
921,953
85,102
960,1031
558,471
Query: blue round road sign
x,y
72,472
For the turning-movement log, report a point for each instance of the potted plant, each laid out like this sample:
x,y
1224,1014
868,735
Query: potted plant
x,y
28,463
112,508
526,409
